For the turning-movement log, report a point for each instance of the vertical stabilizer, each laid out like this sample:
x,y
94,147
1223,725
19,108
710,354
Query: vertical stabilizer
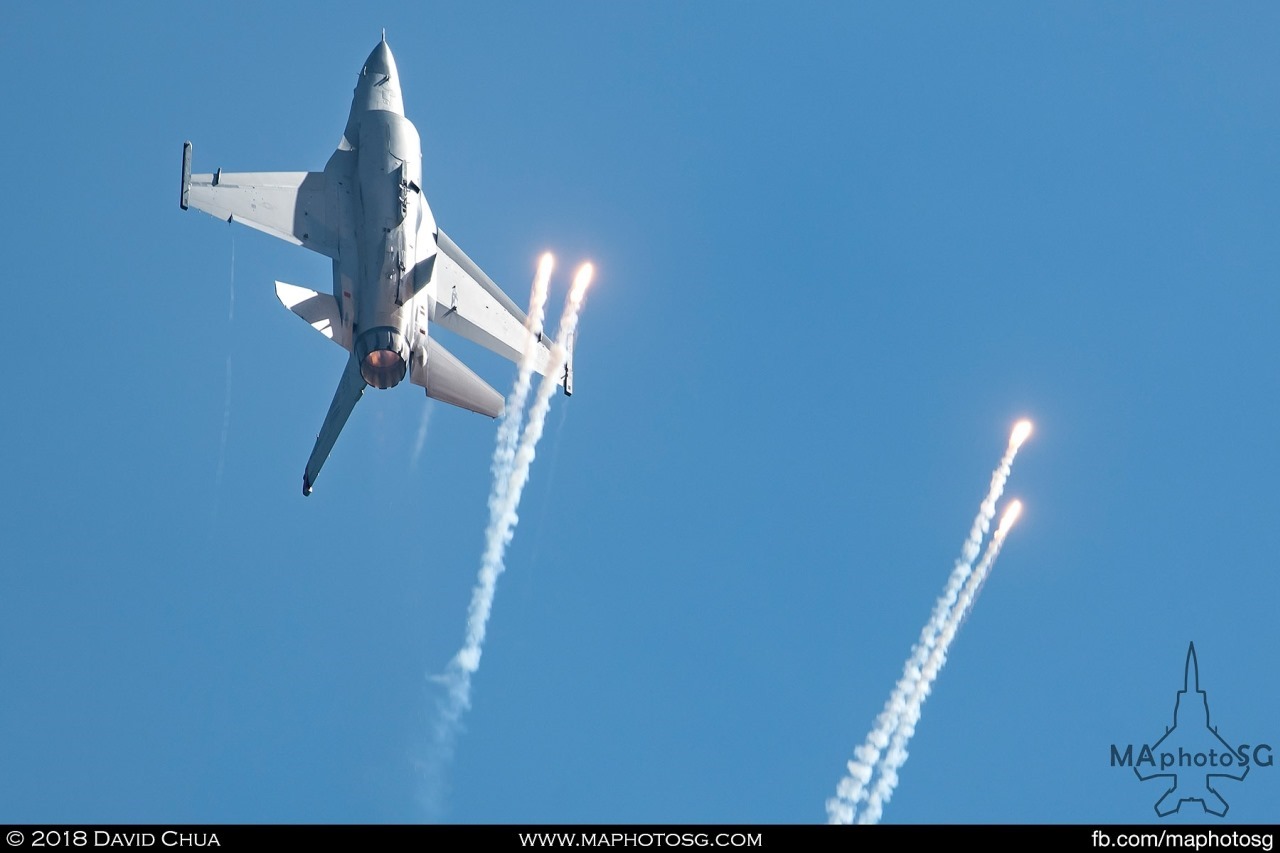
x,y
350,389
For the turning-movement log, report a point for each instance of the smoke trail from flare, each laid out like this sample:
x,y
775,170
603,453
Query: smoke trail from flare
x,y
512,458
503,501
513,415
542,401
852,789
457,679
897,753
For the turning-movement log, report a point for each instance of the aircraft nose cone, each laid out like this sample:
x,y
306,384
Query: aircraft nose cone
x,y
377,87
380,61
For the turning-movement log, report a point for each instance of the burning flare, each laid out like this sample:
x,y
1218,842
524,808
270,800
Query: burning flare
x,y
1021,430
1010,516
895,724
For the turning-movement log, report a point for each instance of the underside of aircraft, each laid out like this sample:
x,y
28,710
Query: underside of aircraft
x,y
395,273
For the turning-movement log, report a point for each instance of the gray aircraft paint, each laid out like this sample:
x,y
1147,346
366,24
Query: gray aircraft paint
x,y
394,272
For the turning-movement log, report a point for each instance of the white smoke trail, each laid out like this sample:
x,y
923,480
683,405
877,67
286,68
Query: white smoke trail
x,y
897,753
457,678
226,429
852,789
503,506
542,401
226,395
231,306
420,440
513,415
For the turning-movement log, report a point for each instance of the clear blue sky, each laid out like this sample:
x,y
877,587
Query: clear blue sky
x,y
841,248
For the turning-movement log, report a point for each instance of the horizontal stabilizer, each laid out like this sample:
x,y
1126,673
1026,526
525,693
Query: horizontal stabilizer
x,y
450,381
320,310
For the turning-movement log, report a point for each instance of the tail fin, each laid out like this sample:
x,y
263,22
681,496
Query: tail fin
x,y
350,389
450,381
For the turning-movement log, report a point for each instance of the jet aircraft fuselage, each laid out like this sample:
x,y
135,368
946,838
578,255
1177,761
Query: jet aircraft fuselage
x,y
391,220
394,270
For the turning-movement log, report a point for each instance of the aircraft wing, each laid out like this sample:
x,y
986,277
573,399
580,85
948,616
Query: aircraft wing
x,y
468,303
293,206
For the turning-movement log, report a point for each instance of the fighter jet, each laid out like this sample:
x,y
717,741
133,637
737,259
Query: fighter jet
x,y
394,271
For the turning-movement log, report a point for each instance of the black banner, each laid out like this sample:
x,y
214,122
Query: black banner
x,y
606,836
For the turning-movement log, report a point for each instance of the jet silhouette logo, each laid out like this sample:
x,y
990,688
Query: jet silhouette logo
x,y
1191,756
